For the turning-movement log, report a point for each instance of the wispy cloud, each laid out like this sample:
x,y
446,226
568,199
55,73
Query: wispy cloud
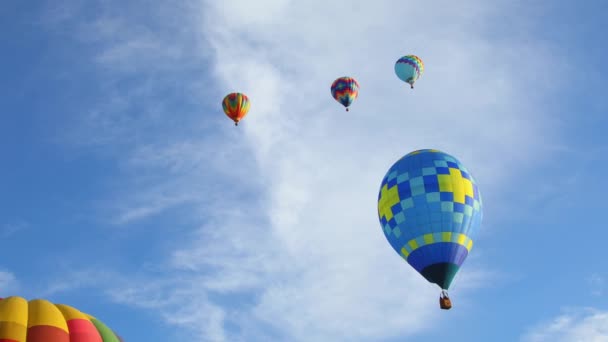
x,y
8,229
8,283
288,243
588,325
142,59
597,283
178,302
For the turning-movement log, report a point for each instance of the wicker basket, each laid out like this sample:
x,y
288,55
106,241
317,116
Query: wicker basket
x,y
445,303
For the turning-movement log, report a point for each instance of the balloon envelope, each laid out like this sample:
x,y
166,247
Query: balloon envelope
x,y
42,321
409,69
430,208
345,90
236,106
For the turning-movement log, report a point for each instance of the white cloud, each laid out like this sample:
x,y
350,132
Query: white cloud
x,y
174,298
597,284
8,284
8,229
179,303
467,99
325,165
289,243
589,325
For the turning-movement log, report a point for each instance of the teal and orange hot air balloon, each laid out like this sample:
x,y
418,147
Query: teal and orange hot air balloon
x,y
236,106
345,90
429,208
409,69
42,321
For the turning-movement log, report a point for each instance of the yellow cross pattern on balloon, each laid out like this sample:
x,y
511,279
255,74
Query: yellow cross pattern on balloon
x,y
388,199
429,208
456,184
453,183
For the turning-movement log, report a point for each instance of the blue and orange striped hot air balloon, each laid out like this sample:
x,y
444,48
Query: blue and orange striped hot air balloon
x,y
429,208
409,69
345,90
236,106
42,321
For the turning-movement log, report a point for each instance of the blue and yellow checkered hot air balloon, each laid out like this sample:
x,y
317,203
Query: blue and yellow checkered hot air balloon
x,y
430,210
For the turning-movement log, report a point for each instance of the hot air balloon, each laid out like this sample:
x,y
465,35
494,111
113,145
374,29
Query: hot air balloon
x,y
236,106
42,321
430,209
409,69
345,90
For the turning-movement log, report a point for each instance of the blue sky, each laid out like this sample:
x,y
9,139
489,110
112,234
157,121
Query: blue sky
x,y
127,193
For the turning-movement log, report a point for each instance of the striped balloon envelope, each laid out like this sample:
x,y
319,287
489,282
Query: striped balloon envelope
x,y
236,106
345,90
42,321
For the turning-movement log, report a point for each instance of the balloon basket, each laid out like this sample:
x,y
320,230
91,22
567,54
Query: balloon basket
x,y
445,303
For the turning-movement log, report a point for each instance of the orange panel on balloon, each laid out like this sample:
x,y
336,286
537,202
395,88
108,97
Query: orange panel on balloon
x,y
82,330
7,340
46,333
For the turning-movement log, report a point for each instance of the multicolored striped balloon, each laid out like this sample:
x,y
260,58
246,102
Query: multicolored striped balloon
x,y
236,106
345,90
429,208
42,321
409,69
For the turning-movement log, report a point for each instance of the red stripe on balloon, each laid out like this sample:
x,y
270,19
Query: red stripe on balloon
x,y
46,333
82,330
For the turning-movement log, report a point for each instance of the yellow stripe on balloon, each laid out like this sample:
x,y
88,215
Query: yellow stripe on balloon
x,y
458,187
12,332
458,238
445,183
461,239
446,236
43,312
14,309
413,244
13,319
468,188
69,312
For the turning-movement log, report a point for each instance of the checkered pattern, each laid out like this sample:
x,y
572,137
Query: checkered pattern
x,y
429,197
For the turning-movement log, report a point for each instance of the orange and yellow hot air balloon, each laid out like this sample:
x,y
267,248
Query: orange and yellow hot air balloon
x,y
236,106
42,321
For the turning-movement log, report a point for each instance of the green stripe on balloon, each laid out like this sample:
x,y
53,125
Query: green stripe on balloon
x,y
106,333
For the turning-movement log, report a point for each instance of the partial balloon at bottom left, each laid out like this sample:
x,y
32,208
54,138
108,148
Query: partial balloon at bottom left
x,y
42,321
